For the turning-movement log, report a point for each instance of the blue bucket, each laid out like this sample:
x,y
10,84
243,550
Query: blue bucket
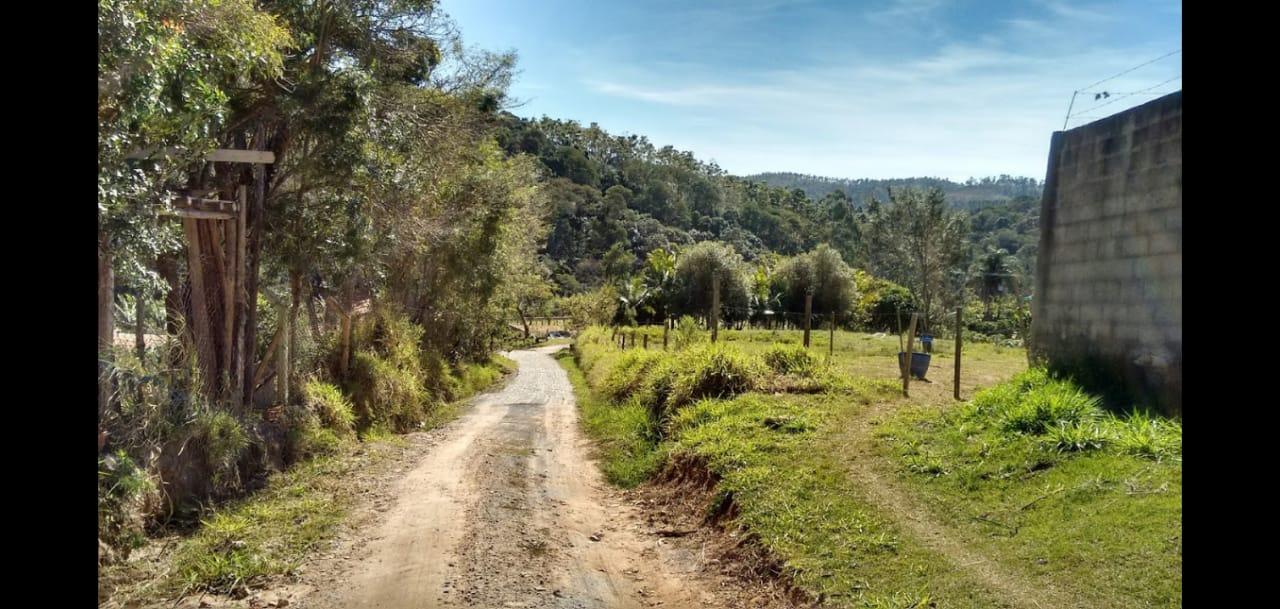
x,y
919,363
927,341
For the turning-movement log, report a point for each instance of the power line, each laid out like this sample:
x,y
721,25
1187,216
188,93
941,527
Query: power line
x,y
1086,89
1120,97
1077,92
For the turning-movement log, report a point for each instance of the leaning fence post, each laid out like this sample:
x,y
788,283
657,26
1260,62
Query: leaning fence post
x,y
906,358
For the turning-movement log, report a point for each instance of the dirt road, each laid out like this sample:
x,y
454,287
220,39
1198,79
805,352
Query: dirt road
x,y
508,511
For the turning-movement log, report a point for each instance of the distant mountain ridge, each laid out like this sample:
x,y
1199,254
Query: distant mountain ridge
x,y
971,194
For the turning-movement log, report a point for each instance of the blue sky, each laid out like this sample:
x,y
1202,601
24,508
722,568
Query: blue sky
x,y
876,89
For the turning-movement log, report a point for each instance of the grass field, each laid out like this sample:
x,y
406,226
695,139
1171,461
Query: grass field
x,y
870,499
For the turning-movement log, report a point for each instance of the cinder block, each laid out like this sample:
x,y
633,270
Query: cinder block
x,y
1164,243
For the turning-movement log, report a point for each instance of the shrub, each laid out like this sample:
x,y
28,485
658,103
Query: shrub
x,y
1144,436
332,408
714,371
791,360
1076,437
629,374
687,332
224,439
1054,404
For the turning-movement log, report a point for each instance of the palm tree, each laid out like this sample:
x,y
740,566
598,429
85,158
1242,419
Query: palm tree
x,y
660,269
996,271
632,293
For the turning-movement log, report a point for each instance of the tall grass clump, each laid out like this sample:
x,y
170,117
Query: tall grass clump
x,y
224,439
713,371
330,406
387,382
630,373
1065,418
687,333
790,360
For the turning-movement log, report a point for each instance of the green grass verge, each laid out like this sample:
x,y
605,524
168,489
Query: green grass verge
x,y
272,531
772,455
1095,499
1042,480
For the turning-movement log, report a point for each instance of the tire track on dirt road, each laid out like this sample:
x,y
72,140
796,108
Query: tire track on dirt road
x,y
509,511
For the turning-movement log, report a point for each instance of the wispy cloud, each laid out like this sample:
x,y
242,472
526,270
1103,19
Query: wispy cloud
x,y
1076,11
890,88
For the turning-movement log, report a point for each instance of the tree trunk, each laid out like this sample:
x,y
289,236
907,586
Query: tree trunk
x,y
523,321
295,290
106,321
254,227
139,327
312,318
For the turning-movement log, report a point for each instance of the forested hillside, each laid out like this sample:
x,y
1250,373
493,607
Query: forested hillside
x,y
971,194
613,199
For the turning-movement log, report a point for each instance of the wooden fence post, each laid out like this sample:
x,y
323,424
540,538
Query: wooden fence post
x,y
282,354
958,330
808,314
906,360
666,327
831,343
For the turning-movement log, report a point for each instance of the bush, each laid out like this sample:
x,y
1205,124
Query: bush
x,y
880,304
791,360
629,374
1054,404
386,394
713,371
224,440
387,382
687,332
332,408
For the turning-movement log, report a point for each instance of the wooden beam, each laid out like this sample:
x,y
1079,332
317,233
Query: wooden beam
x,y
200,204
221,155
200,215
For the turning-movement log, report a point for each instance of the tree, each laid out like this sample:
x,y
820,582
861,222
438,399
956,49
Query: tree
x,y
167,72
995,274
632,295
917,241
702,265
618,261
660,276
529,289
821,271
596,307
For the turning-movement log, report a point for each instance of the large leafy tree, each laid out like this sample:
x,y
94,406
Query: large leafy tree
x,y
916,240
703,265
821,272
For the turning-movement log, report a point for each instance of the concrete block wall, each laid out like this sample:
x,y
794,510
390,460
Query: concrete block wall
x,y
1108,300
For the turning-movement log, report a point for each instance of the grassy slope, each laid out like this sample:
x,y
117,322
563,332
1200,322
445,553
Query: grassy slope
x,y
782,457
1104,523
271,532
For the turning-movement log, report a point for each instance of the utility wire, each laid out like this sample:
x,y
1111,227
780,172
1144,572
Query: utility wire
x,y
1120,97
1077,92
1086,89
